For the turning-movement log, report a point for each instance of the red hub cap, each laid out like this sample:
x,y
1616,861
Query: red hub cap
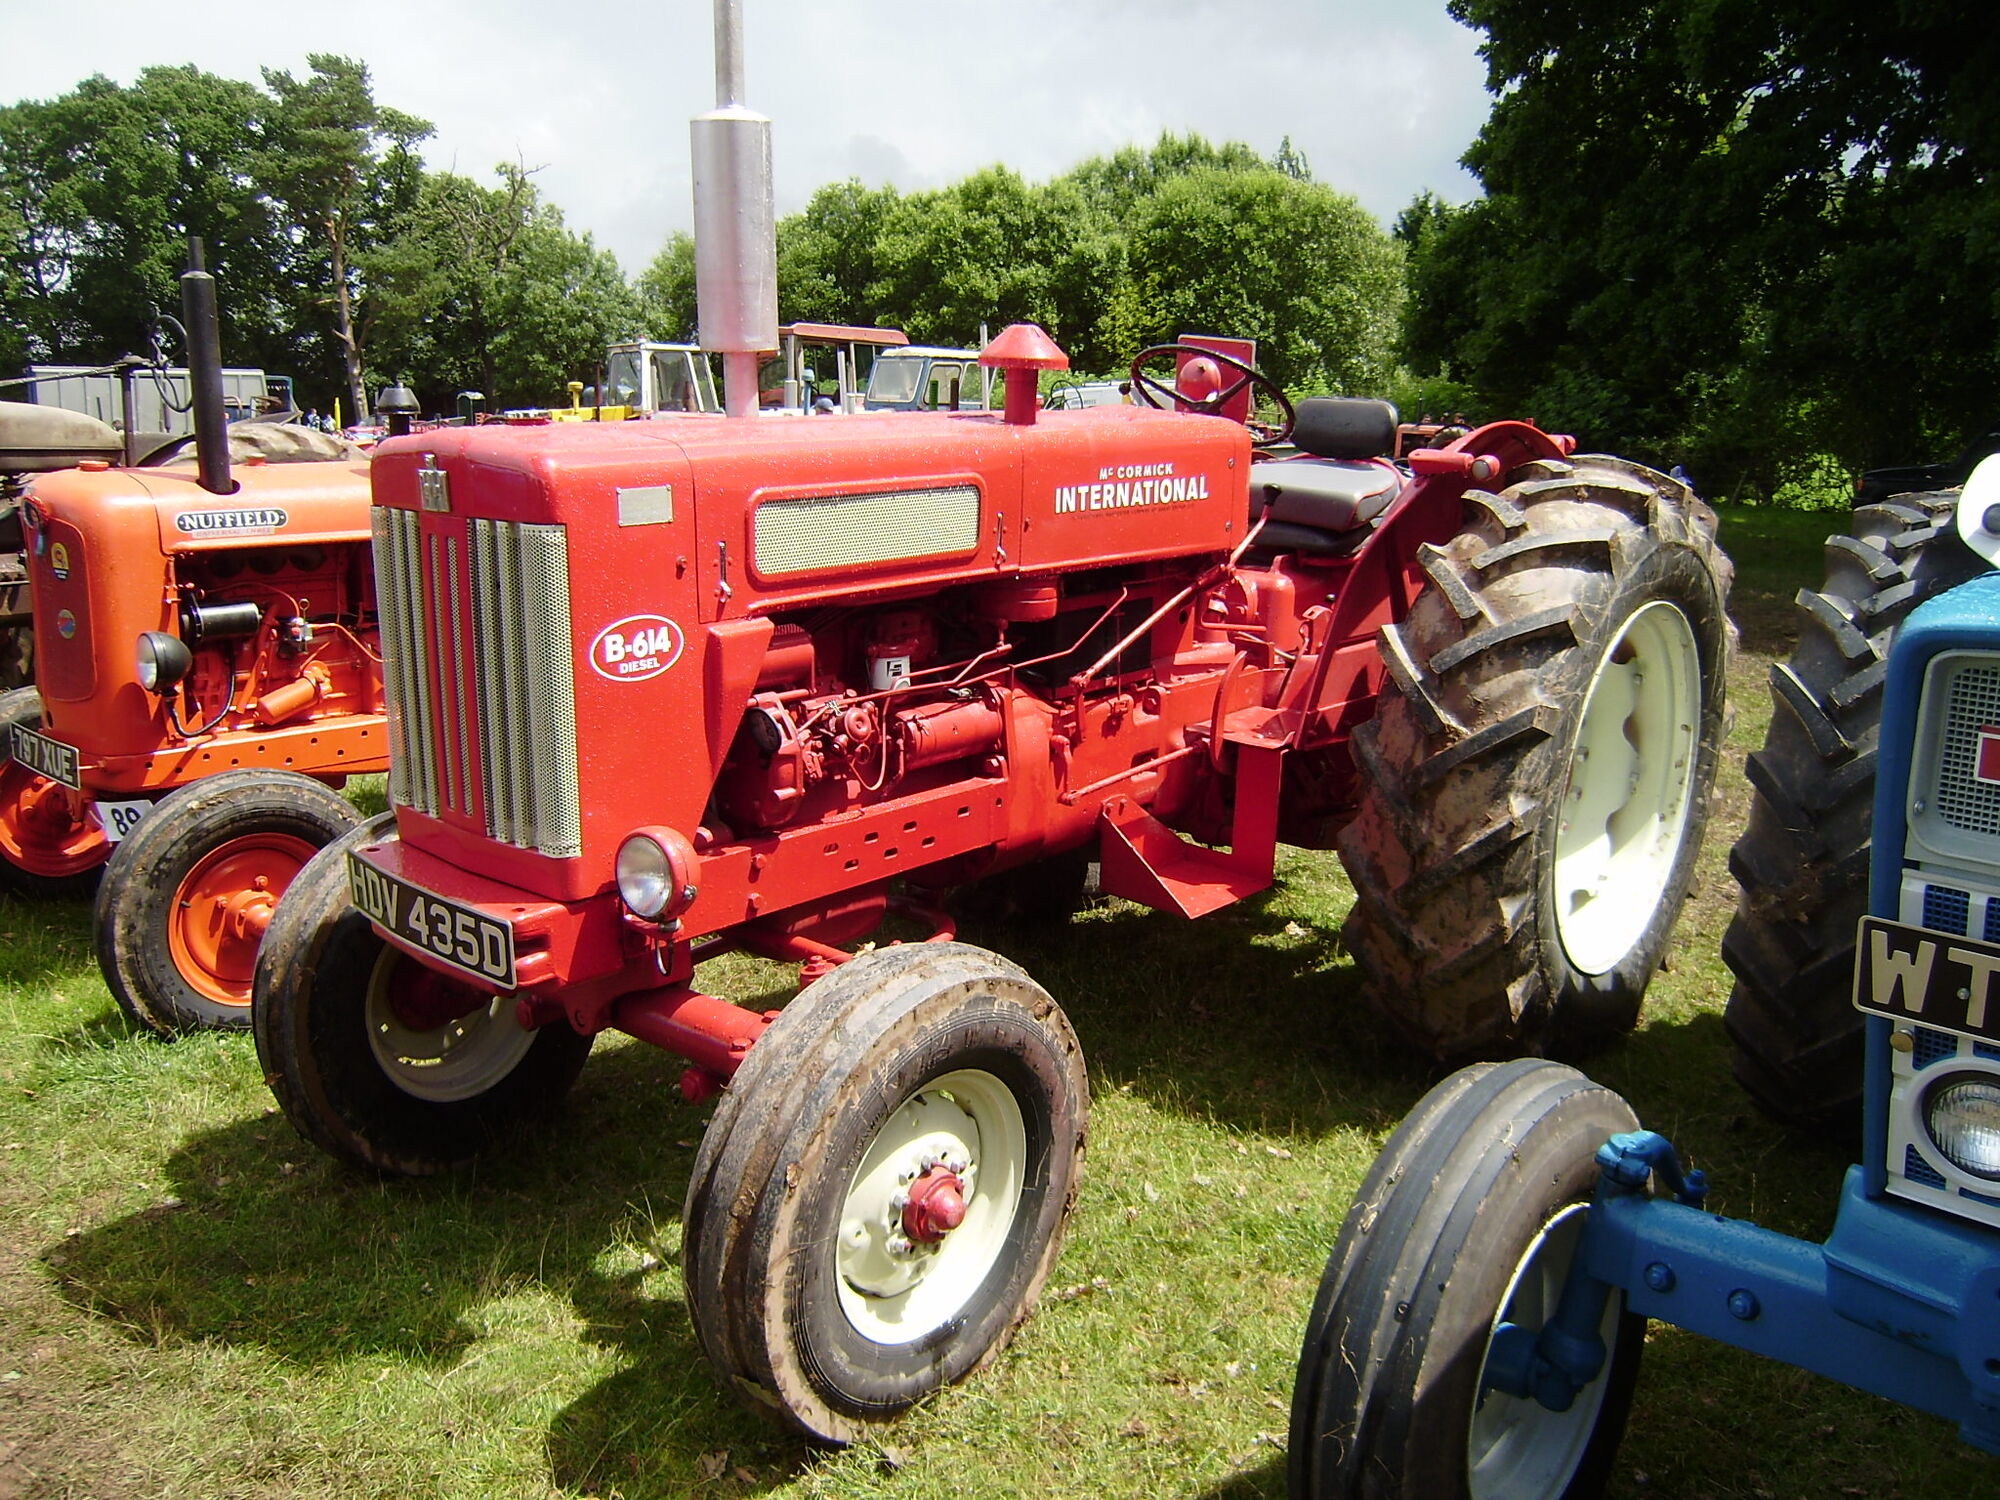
x,y
223,906
45,828
936,1206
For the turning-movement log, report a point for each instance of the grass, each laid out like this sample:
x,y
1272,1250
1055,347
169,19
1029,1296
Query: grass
x,y
194,1303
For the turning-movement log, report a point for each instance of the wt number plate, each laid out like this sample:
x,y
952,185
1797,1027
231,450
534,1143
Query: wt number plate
x,y
469,941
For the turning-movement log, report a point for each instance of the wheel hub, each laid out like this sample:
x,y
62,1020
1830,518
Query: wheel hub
x,y
221,908
935,1207
929,1208
1624,811
436,1039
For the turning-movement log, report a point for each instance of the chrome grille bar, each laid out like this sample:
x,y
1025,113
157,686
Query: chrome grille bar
x,y
406,677
520,689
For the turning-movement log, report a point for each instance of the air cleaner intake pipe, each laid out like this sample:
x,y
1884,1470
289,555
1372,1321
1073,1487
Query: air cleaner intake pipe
x,y
204,330
735,223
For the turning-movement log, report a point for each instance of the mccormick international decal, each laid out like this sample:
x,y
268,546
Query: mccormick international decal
x,y
1121,486
234,522
636,648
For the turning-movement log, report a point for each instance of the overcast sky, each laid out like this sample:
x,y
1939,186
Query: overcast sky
x,y
1382,96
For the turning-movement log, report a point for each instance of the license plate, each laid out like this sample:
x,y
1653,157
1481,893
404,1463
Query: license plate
x,y
120,818
47,757
1931,978
469,941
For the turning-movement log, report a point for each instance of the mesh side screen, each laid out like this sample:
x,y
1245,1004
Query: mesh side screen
x,y
1972,704
831,531
551,689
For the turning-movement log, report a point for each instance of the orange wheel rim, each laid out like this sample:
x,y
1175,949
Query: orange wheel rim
x,y
222,907
43,829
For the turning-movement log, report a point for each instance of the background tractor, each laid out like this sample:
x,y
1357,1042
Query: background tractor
x,y
207,673
1802,861
660,691
1479,1327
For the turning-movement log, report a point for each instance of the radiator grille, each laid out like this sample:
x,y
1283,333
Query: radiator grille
x,y
833,531
1972,703
518,771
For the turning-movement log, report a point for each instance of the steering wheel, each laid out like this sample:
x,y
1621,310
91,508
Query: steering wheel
x,y
1161,396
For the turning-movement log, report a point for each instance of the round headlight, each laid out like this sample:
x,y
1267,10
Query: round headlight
x,y
163,661
656,873
1962,1115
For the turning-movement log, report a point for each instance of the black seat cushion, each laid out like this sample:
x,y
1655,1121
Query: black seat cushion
x,y
1344,427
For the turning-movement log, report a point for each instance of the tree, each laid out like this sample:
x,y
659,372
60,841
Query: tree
x,y
1304,270
1738,232
342,170
993,250
99,191
666,292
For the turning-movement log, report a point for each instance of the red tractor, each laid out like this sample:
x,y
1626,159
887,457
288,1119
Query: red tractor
x,y
664,690
207,673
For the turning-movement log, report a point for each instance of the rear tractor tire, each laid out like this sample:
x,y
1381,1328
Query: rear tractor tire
x,y
883,1189
51,845
1801,864
187,896
1469,1217
376,1058
1539,768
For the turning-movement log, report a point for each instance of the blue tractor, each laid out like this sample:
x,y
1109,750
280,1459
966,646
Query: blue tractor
x,y
1479,1326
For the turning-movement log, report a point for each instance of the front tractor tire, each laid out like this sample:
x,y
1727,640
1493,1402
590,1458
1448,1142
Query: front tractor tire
x,y
51,844
379,1060
1469,1217
186,898
1539,768
883,1188
1801,865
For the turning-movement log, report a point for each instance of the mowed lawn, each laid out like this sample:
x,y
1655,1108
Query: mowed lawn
x,y
195,1303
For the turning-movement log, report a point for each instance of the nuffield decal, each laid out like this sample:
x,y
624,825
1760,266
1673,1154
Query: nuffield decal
x,y
201,522
59,560
1121,486
636,648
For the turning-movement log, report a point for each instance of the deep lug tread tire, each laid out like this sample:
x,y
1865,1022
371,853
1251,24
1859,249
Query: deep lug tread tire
x,y
1389,1371
309,1016
1801,864
814,1093
142,886
24,706
1468,757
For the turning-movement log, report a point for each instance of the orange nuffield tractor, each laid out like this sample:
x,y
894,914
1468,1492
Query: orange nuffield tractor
x,y
207,672
664,690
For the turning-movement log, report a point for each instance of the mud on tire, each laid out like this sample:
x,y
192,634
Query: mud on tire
x,y
1532,638
1801,864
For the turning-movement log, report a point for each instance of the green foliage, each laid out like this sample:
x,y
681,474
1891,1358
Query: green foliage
x,y
666,292
1302,269
1737,233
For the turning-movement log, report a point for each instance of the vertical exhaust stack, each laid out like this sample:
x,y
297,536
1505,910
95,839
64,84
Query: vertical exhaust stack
x,y
211,422
735,225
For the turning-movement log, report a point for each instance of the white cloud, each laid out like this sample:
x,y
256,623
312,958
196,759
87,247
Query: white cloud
x,y
1382,98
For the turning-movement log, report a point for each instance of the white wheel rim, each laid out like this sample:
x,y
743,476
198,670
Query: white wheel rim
x,y
459,1060
891,1289
1625,808
1517,1447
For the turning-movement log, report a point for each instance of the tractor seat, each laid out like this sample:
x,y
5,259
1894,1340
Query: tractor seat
x,y
1340,480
